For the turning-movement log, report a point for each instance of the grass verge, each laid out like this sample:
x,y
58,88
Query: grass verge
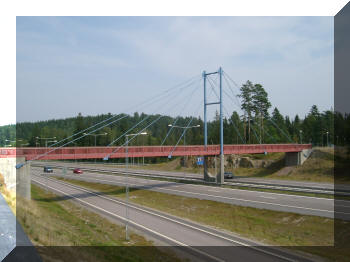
x,y
49,223
310,234
10,196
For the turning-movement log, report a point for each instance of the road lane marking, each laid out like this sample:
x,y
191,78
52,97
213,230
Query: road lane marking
x,y
212,190
223,197
136,224
267,197
178,222
284,195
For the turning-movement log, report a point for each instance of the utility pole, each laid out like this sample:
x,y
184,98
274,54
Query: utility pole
x,y
127,191
222,157
205,158
127,184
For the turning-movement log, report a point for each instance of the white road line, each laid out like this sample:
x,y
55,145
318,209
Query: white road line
x,y
223,197
134,223
267,197
241,190
178,222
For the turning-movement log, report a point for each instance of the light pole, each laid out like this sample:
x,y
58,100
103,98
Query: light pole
x,y
301,136
185,128
95,135
45,138
327,138
10,141
127,184
51,141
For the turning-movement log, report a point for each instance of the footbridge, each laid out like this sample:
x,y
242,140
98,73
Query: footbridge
x,y
51,153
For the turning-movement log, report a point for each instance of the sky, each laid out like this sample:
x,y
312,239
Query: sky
x,y
96,65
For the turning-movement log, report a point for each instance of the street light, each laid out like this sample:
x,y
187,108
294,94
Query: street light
x,y
127,184
301,136
95,135
51,141
10,141
184,127
45,138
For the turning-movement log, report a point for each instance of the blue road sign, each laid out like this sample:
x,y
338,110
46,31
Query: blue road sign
x,y
200,161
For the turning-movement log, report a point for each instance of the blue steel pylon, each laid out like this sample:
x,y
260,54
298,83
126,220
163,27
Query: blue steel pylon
x,y
220,175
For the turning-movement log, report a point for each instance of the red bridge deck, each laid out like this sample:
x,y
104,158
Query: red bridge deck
x,y
42,153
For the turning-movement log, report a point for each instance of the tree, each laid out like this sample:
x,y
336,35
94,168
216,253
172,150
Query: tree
x,y
280,130
247,102
79,126
261,105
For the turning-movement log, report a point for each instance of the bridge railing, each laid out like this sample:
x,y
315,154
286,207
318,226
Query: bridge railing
x,y
145,151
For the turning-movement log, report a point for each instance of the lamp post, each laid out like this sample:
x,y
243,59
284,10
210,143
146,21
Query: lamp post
x,y
127,184
95,135
301,136
185,128
51,141
327,137
46,139
10,141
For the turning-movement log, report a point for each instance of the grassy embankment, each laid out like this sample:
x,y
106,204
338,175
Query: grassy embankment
x,y
50,221
318,168
300,232
10,196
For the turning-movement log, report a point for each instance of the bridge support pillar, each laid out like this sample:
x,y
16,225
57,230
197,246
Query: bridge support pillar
x,y
220,174
293,159
205,167
23,180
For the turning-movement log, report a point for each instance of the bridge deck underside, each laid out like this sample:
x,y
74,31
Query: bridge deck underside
x,y
145,151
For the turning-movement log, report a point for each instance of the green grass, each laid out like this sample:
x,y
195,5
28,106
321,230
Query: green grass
x,y
318,168
299,232
252,222
51,221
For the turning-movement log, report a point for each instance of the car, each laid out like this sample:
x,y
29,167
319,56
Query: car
x,y
48,169
228,175
77,171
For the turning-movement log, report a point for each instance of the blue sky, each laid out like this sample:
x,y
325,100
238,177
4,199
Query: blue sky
x,y
94,65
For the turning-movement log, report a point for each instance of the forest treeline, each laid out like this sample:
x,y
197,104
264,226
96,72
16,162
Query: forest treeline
x,y
275,129
256,125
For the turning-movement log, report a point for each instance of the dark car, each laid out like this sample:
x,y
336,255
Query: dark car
x,y
48,169
228,175
77,171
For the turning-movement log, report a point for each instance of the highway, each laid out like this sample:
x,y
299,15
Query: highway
x,y
205,243
323,207
282,185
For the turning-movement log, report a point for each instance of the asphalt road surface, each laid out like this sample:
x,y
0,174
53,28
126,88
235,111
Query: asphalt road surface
x,y
207,244
261,181
323,207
